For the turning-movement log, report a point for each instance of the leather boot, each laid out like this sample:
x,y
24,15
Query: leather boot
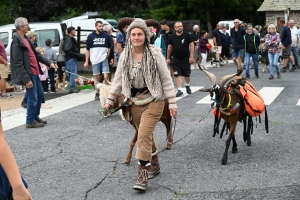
x,y
155,168
142,178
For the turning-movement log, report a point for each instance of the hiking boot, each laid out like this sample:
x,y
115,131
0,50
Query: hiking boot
x,y
97,96
179,93
247,76
23,104
297,66
278,75
293,68
142,178
283,69
271,77
34,124
73,91
256,74
155,168
41,121
188,90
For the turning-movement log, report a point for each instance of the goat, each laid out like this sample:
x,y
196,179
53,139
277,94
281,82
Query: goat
x,y
166,119
230,105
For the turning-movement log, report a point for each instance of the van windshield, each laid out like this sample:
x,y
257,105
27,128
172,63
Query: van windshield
x,y
42,35
4,38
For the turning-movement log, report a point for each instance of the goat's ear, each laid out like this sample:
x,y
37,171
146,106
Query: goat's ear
x,y
205,90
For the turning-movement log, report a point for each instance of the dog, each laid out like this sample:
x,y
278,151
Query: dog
x,y
104,92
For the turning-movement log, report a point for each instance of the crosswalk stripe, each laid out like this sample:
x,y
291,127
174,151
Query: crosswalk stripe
x,y
205,100
298,104
193,89
269,94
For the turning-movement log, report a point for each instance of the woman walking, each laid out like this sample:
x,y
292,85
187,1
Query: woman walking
x,y
273,41
143,77
204,47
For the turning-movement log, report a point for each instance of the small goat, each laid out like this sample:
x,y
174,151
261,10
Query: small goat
x,y
230,104
166,119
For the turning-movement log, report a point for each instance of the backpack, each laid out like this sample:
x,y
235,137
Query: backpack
x,y
253,101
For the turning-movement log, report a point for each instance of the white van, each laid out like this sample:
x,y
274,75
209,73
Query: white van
x,y
228,24
87,23
43,30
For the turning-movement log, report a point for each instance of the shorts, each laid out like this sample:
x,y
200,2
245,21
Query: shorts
x,y
3,71
237,53
181,67
286,52
225,53
219,51
101,67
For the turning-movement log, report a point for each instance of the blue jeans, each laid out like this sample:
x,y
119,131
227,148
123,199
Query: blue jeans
x,y
35,97
255,62
71,66
5,187
273,59
294,51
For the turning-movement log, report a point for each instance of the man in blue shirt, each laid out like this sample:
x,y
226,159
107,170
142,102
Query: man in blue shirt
x,y
286,41
98,50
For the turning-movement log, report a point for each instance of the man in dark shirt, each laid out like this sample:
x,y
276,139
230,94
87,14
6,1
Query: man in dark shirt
x,y
237,34
180,54
217,39
251,41
25,70
286,41
166,33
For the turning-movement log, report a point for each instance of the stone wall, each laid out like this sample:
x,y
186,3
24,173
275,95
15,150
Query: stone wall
x,y
272,16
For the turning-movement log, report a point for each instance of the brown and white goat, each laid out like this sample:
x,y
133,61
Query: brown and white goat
x,y
165,118
225,100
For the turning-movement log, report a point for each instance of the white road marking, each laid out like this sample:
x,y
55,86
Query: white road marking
x,y
205,100
298,104
269,94
193,88
17,117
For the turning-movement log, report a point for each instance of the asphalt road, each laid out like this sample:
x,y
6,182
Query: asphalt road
x,y
76,156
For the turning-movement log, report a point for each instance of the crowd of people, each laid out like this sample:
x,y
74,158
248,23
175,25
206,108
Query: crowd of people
x,y
145,72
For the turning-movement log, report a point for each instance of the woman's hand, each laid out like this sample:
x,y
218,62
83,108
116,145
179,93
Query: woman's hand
x,y
21,193
173,112
107,107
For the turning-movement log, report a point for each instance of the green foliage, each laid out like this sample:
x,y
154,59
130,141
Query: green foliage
x,y
69,13
5,15
107,15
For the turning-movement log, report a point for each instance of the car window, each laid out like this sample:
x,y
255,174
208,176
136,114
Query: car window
x,y
4,38
42,35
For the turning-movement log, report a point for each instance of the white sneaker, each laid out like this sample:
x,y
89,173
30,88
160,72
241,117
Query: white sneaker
x,y
45,106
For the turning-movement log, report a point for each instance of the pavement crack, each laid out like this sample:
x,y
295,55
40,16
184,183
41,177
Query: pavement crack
x,y
41,160
175,194
103,179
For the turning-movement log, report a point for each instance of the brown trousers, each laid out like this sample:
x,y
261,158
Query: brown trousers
x,y
145,119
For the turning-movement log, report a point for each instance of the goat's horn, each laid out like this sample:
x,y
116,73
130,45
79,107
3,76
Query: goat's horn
x,y
210,75
224,79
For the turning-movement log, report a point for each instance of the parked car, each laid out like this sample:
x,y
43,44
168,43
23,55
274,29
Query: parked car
x,y
113,23
86,23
